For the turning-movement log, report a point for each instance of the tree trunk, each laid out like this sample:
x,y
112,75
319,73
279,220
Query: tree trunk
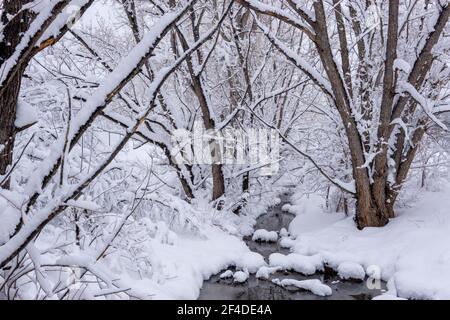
x,y
12,34
8,105
208,121
218,182
367,212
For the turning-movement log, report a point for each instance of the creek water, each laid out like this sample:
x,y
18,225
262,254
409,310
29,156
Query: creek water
x,y
256,289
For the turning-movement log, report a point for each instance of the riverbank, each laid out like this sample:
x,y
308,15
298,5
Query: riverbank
x,y
256,288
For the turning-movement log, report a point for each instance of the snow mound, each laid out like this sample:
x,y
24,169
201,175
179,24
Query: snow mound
x,y
284,232
351,270
315,286
227,274
265,272
240,276
306,265
287,243
251,261
264,235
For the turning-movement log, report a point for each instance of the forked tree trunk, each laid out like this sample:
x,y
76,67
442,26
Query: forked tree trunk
x,y
218,178
368,214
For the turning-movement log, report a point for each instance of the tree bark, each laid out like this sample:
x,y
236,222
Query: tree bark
x,y
8,99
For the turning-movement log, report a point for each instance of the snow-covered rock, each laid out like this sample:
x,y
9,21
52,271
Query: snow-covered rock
x,y
227,274
306,265
351,270
240,276
315,286
284,232
265,236
265,272
287,242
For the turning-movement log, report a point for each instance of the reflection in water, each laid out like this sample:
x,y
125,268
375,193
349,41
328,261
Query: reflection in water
x,y
256,289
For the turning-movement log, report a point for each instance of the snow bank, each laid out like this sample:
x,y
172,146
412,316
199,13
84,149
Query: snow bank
x,y
178,270
310,214
314,285
251,261
412,251
265,236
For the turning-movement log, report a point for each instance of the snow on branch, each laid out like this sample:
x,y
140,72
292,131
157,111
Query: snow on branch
x,y
426,104
25,49
282,15
298,61
57,204
348,187
126,70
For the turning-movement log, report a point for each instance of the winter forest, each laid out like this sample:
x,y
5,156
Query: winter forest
x,y
224,149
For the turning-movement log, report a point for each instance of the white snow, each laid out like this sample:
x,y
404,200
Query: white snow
x,y
284,232
411,252
265,236
402,65
287,242
251,261
9,217
314,285
240,276
226,274
351,270
310,214
25,114
303,264
265,272
84,204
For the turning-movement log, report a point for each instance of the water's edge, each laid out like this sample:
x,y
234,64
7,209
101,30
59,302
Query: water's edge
x,y
255,289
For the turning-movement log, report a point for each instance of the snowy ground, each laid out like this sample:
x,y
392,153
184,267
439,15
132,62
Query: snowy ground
x,y
174,265
412,253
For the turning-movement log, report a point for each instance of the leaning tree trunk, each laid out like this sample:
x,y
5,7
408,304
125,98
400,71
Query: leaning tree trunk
x,y
12,32
8,105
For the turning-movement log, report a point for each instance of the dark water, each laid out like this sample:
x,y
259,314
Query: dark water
x,y
257,289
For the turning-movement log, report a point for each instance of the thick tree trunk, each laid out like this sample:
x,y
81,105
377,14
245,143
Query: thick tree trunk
x,y
368,214
8,105
12,34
